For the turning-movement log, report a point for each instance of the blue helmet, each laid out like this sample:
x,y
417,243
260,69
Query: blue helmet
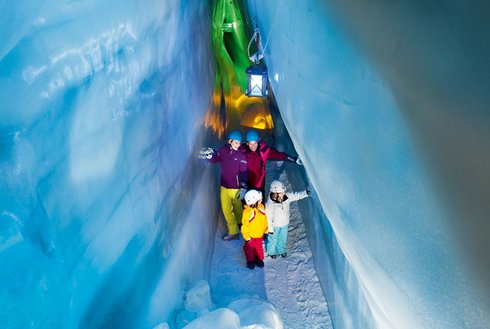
x,y
252,136
236,135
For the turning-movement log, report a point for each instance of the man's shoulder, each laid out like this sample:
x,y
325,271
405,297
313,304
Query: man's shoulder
x,y
263,142
263,145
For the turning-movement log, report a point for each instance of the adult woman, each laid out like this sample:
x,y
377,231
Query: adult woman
x,y
234,176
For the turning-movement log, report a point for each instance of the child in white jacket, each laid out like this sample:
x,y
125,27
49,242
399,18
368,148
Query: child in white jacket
x,y
277,210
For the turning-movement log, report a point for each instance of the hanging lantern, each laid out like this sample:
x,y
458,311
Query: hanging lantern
x,y
257,81
257,75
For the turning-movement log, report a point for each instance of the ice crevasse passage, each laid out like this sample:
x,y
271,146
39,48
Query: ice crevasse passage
x,y
102,114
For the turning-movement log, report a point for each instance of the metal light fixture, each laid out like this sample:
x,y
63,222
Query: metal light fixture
x,y
257,81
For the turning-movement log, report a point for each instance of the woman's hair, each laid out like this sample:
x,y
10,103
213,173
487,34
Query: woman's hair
x,y
276,197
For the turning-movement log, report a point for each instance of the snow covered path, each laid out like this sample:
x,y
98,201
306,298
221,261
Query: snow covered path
x,y
290,283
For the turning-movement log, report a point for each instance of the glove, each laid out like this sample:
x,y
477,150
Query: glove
x,y
308,192
241,194
270,233
206,153
296,160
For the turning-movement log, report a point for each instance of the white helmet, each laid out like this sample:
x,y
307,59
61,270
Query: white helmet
x,y
252,196
277,187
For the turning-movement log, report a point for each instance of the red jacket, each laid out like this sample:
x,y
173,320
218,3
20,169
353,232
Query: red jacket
x,y
256,163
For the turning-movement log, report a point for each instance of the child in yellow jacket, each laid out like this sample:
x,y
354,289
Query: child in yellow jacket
x,y
254,226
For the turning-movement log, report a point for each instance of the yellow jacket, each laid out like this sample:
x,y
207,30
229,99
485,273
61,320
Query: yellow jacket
x,y
254,222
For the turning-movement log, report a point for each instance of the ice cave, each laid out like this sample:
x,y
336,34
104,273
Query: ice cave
x,y
109,218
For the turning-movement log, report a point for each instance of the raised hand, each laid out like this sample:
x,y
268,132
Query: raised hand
x,y
206,153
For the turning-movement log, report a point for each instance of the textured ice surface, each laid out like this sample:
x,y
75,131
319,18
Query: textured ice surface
x,y
386,105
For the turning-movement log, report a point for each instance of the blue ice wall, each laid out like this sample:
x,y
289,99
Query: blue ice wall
x,y
387,104
101,107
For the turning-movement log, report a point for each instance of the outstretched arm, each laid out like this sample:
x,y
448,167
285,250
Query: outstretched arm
x,y
210,154
273,154
276,155
206,153
295,196
215,157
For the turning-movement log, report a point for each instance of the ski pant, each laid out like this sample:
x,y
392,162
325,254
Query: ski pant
x,y
253,250
277,242
232,208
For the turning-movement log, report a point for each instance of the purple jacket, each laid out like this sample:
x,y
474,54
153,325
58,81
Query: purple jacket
x,y
233,167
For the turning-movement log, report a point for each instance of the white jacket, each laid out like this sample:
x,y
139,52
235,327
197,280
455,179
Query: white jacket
x,y
278,213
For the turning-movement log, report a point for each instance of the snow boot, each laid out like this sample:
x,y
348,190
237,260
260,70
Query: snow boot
x,y
251,265
259,263
273,256
284,255
228,237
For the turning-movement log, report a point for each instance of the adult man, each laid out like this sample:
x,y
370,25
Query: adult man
x,y
258,153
